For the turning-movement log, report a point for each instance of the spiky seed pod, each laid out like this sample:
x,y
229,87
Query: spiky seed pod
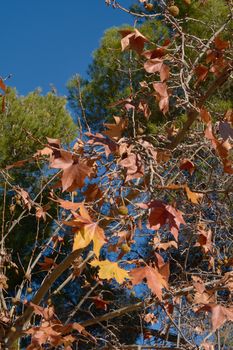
x,y
174,10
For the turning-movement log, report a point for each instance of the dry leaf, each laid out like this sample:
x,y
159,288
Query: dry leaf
x,y
109,270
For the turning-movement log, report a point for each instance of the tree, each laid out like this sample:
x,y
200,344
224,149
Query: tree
x,y
26,121
108,74
31,118
148,224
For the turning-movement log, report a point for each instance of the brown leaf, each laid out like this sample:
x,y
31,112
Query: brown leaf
x,y
94,194
70,205
222,148
162,96
201,71
220,314
133,40
98,139
115,130
157,66
143,107
155,280
204,238
25,198
134,166
41,212
194,197
165,246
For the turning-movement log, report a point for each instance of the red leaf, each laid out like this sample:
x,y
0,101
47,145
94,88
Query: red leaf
x,y
161,214
204,239
205,116
186,164
221,44
201,71
47,264
2,85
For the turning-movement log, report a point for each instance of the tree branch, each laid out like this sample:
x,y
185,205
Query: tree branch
x,y
49,280
194,113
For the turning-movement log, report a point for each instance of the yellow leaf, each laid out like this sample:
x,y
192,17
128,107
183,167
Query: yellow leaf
x,y
194,197
88,233
109,269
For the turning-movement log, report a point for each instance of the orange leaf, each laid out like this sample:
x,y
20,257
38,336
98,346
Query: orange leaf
x,y
155,280
115,130
2,85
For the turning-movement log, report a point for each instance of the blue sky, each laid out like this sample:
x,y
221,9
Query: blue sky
x,y
47,41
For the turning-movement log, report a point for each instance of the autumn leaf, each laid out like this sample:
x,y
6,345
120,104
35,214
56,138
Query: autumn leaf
x,y
220,314
194,197
201,72
162,96
86,231
2,85
157,65
70,205
204,238
47,264
186,164
98,139
115,130
162,214
158,245
109,270
150,318
133,40
155,280
93,193
25,197
87,234
99,302
133,165
220,44
205,115
74,173
222,148
144,108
